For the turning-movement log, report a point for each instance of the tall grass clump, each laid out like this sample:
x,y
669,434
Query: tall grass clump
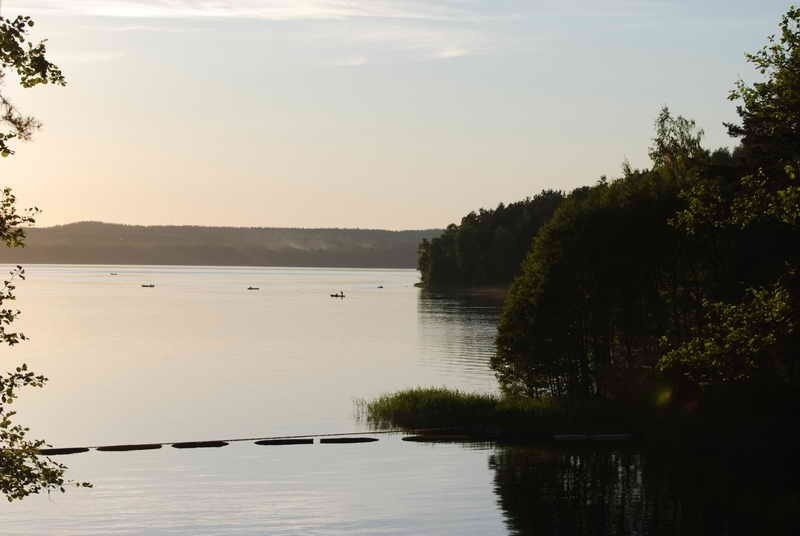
x,y
438,407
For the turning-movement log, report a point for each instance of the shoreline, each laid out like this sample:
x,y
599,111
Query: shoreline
x,y
517,420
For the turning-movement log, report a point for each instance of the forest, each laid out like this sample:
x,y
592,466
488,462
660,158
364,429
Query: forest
x,y
662,284
488,247
105,243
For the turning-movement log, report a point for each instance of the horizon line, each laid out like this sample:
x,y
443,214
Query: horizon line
x,y
98,222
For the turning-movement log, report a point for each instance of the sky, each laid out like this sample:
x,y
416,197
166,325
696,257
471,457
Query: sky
x,y
393,114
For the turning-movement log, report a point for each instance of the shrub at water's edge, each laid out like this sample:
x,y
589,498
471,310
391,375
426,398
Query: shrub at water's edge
x,y
429,408
727,419
490,415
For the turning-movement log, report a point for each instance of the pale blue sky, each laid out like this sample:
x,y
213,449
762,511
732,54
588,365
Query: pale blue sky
x,y
362,113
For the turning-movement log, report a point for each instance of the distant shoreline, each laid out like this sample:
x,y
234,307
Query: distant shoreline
x,y
95,243
226,266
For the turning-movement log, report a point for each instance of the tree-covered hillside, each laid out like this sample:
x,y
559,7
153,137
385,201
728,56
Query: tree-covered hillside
x,y
104,243
488,246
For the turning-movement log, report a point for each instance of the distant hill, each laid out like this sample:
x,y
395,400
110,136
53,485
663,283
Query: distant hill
x,y
105,243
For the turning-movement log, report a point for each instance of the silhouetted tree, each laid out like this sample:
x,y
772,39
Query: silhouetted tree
x,y
589,302
753,333
690,268
22,470
488,246
28,61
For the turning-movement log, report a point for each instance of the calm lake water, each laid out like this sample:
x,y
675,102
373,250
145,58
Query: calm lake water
x,y
199,357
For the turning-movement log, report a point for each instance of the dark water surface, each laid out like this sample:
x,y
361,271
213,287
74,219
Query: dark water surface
x,y
199,357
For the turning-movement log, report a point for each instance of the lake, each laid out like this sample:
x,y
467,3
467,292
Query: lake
x,y
200,357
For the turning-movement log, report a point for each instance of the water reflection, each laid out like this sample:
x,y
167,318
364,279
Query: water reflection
x,y
289,360
628,492
460,327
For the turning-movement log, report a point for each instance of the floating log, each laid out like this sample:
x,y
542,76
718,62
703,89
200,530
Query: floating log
x,y
437,438
297,441
348,439
199,444
58,452
121,448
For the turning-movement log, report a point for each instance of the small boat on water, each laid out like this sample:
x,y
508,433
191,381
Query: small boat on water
x,y
339,295
113,273
252,288
151,285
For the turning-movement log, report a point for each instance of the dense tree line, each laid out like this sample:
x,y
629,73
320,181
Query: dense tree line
x,y
488,246
686,272
104,243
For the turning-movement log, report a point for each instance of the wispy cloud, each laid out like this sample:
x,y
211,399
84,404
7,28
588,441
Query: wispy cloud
x,y
451,53
86,57
160,28
262,9
422,41
443,10
354,32
383,29
353,61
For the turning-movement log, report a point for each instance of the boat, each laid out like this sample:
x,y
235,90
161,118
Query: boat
x,y
148,286
113,273
252,288
339,295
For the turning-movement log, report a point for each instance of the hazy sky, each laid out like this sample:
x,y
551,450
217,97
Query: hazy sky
x,y
360,113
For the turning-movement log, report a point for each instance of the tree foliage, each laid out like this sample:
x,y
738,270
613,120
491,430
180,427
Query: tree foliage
x,y
22,470
28,61
591,296
686,271
488,246
756,333
733,342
